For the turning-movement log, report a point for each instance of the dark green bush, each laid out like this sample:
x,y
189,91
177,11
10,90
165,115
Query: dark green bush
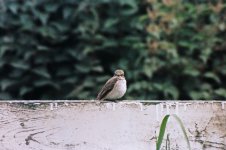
x,y
68,49
65,49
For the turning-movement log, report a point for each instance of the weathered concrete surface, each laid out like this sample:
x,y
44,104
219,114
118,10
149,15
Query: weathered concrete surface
x,y
109,126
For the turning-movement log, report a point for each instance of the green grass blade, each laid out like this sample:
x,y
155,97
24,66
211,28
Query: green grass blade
x,y
163,128
183,130
162,132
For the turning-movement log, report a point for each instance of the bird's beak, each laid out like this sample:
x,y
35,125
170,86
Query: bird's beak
x,y
122,77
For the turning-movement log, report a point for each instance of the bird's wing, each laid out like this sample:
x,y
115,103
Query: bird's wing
x,y
109,85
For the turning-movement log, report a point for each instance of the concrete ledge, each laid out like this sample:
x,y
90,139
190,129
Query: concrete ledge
x,y
126,125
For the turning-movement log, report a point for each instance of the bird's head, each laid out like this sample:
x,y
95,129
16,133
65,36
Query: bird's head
x,y
119,73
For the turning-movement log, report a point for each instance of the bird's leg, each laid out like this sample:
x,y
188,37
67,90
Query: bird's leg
x,y
111,100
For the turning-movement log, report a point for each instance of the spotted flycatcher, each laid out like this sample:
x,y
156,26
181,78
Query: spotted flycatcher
x,y
114,88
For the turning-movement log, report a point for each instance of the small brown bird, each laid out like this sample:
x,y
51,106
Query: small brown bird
x,y
114,88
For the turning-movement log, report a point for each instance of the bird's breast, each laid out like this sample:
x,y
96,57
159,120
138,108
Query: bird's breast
x,y
119,90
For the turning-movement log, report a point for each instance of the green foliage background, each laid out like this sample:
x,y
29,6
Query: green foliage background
x,y
68,49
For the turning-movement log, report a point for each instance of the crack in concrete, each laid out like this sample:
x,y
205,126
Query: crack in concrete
x,y
30,138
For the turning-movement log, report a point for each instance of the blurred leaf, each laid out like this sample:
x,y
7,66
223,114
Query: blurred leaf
x,y
221,92
158,86
191,72
61,27
5,83
195,95
41,83
24,90
42,72
131,6
67,11
51,7
213,76
75,92
82,69
42,48
19,64
3,50
148,71
13,7
89,83
43,17
83,95
70,80
173,91
102,79
205,54
110,22
199,95
28,55
97,69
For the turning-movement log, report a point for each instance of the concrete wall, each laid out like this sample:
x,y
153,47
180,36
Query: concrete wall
x,y
109,126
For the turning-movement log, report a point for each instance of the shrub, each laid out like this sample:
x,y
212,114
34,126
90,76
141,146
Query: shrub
x,y
49,48
187,49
